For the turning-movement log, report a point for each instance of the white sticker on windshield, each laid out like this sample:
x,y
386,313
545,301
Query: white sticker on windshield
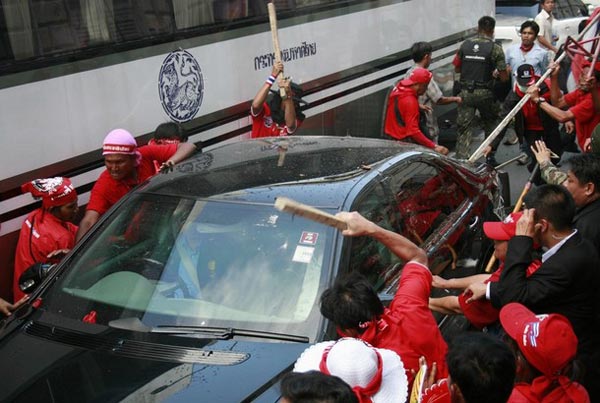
x,y
303,254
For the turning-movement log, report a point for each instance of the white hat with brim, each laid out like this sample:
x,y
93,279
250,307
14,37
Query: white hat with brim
x,y
355,362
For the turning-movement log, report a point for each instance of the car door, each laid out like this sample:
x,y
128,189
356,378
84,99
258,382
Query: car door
x,y
432,208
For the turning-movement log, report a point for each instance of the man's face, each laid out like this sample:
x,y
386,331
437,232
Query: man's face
x,y
576,188
422,88
500,248
583,84
548,6
527,36
67,212
120,166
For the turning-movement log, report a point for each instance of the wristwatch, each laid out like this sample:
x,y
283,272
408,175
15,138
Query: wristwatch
x,y
540,100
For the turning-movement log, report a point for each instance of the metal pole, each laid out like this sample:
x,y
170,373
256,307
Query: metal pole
x,y
479,152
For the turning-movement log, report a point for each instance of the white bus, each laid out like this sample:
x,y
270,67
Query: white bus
x,y
72,70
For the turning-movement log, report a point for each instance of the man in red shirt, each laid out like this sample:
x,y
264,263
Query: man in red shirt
x,y
47,233
402,114
126,167
271,115
579,103
480,313
407,326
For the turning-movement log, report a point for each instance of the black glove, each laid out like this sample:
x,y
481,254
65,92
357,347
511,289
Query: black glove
x,y
456,88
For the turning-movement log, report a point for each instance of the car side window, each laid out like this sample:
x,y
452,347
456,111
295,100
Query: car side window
x,y
367,255
425,195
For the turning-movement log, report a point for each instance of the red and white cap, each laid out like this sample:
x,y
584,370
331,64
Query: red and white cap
x,y
502,230
54,192
547,341
418,76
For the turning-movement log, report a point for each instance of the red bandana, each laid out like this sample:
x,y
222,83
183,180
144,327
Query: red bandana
x,y
526,48
53,191
118,149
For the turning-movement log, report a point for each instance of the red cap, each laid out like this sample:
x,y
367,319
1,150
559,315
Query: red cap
x,y
502,230
53,191
547,341
418,76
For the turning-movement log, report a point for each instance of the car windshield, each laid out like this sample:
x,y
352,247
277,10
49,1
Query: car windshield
x,y
172,261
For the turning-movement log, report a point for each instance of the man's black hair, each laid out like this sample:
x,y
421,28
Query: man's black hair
x,y
482,366
315,387
553,203
586,168
486,24
531,24
170,130
419,50
351,301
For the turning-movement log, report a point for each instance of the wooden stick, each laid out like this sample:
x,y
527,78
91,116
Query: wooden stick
x,y
275,38
479,152
293,207
517,208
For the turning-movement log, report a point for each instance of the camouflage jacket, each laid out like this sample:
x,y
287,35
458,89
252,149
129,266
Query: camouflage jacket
x,y
551,174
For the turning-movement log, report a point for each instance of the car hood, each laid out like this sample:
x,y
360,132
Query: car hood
x,y
63,365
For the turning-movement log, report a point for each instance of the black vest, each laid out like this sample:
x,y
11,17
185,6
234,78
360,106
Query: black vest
x,y
476,63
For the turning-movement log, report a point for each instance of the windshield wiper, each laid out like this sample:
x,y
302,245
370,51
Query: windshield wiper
x,y
221,333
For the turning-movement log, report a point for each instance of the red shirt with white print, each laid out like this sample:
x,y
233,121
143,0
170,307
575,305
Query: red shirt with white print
x,y
264,126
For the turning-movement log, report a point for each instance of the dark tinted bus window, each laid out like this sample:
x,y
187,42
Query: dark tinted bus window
x,y
47,28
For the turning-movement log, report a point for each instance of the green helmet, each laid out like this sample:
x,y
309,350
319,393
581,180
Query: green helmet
x,y
595,140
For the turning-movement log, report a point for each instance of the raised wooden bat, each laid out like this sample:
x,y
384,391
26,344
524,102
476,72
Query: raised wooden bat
x,y
517,208
275,37
293,207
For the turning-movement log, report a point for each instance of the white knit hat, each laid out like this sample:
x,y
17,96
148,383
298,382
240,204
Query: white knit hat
x,y
356,362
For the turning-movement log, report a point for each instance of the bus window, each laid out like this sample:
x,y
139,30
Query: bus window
x,y
193,13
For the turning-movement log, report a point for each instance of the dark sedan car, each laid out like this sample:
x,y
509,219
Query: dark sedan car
x,y
195,288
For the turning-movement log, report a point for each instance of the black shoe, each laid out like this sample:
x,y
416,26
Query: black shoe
x,y
491,161
523,159
511,139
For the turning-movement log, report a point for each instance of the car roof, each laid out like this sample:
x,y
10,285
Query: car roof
x,y
317,169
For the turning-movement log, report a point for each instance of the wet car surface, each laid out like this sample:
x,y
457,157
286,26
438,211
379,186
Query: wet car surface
x,y
194,285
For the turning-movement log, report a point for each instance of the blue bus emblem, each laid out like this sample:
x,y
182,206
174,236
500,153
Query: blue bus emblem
x,y
181,86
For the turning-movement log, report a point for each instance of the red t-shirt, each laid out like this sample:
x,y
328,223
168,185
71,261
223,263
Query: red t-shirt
x,y
405,98
408,326
49,234
530,111
264,126
107,191
586,119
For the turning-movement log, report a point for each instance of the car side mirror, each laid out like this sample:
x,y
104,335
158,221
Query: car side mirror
x,y
31,278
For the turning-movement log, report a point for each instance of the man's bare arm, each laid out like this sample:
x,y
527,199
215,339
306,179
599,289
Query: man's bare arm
x,y
544,42
90,218
399,245
263,92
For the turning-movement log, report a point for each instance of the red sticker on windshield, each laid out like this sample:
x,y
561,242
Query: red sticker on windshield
x,y
309,238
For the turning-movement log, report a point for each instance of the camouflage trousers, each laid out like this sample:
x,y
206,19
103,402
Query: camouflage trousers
x,y
481,100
